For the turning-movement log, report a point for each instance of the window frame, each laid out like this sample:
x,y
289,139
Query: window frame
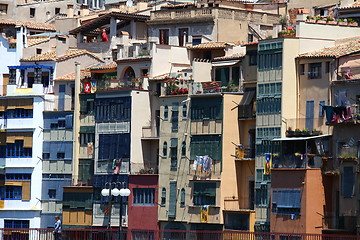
x,y
315,70
143,197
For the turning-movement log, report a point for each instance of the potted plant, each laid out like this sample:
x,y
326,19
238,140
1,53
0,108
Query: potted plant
x,y
320,20
287,34
290,132
310,19
330,21
316,132
352,22
342,22
297,132
306,132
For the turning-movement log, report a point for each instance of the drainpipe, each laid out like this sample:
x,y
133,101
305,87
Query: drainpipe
x,y
76,127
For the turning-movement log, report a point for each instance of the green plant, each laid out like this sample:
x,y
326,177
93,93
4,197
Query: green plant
x,y
350,20
340,20
328,18
287,32
318,18
305,130
309,17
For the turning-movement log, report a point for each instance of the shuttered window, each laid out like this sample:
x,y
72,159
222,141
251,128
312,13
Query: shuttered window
x,y
286,201
210,145
174,154
182,198
144,196
174,117
114,146
172,200
204,193
163,197
206,108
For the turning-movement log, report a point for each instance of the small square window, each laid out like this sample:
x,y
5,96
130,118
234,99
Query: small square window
x,y
38,51
46,156
32,12
57,10
52,193
60,155
61,123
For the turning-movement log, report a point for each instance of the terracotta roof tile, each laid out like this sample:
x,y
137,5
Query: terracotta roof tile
x,y
31,25
51,56
84,73
214,45
37,40
231,57
334,52
104,66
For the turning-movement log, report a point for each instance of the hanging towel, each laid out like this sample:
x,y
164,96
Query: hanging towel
x,y
329,110
205,163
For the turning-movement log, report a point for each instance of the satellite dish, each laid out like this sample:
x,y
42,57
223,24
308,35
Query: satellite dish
x,y
129,3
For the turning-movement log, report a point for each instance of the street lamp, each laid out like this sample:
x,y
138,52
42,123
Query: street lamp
x,y
123,192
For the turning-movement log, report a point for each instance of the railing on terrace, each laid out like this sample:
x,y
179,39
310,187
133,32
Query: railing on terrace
x,y
348,73
114,234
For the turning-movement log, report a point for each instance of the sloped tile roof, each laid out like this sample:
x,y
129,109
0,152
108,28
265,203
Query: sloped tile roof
x,y
31,25
38,40
231,57
84,73
334,52
214,45
104,66
51,56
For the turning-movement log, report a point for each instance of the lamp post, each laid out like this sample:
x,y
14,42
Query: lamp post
x,y
123,192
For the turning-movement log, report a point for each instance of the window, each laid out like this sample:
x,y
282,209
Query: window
x,y
237,221
183,149
16,223
205,145
17,150
85,138
166,113
165,149
143,235
172,199
111,110
52,193
46,156
196,41
204,193
183,36
286,201
57,10
164,36
302,69
174,117
114,146
250,38
13,192
60,155
38,51
252,58
19,113
327,69
182,198
32,12
184,112
163,197
222,75
206,108
348,182
3,8
61,123
321,108
261,195
314,70
18,176
173,154
144,196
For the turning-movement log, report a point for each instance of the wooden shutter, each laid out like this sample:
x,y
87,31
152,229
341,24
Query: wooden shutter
x,y
172,199
347,182
26,191
309,115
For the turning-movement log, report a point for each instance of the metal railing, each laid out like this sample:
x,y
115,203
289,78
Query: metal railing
x,y
115,234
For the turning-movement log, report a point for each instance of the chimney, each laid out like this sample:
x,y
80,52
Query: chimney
x,y
70,11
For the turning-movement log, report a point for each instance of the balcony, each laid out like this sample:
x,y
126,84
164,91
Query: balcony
x,y
342,114
174,86
199,172
212,88
150,132
244,152
109,166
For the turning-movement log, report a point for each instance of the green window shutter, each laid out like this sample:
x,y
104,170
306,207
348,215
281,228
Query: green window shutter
x,y
87,129
172,199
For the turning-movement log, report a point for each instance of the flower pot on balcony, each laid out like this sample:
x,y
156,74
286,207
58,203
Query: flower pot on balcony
x,y
321,21
310,21
290,133
342,23
331,22
353,24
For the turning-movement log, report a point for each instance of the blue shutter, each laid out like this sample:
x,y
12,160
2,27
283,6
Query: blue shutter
x,y
68,150
321,109
309,115
69,121
172,199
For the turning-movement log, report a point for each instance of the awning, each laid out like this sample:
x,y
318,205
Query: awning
x,y
300,138
224,63
247,98
30,66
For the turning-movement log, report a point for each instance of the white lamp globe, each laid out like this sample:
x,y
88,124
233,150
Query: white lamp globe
x,y
115,192
124,192
105,192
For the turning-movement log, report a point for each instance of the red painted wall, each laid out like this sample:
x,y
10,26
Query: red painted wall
x,y
143,217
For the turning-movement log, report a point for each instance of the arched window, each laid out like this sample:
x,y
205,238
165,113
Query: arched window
x,y
129,74
182,198
184,111
166,113
163,197
165,149
183,149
